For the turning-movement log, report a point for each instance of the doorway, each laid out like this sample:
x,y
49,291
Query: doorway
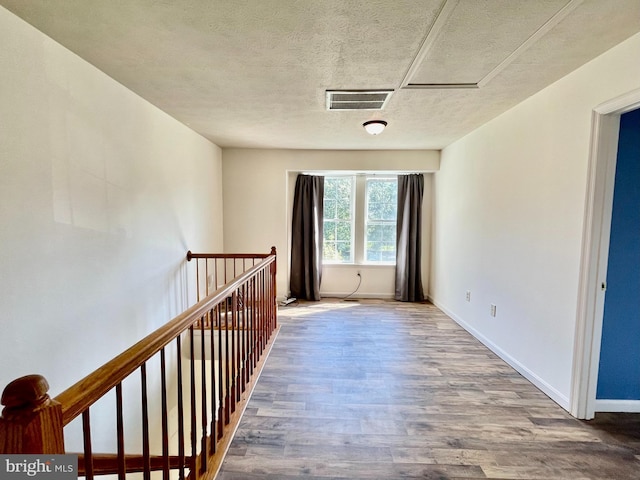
x,y
618,388
594,261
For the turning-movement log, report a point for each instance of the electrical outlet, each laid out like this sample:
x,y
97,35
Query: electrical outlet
x,y
493,310
468,296
358,274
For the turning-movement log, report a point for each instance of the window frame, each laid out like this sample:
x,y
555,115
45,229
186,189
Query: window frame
x,y
352,201
367,221
359,205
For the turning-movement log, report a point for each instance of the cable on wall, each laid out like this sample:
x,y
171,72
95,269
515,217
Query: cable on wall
x,y
359,282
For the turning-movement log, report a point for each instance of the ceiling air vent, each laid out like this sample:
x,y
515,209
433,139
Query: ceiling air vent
x,y
357,99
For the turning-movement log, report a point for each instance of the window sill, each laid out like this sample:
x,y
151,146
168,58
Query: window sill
x,y
359,265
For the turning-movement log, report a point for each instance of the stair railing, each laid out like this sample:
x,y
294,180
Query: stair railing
x,y
213,370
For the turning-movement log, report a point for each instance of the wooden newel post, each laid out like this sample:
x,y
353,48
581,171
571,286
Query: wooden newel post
x,y
31,422
273,265
273,282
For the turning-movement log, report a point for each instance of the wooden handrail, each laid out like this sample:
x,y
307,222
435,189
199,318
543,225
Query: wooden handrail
x,y
209,272
191,255
86,392
209,406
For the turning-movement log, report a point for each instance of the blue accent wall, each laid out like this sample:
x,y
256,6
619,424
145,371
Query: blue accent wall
x,y
619,370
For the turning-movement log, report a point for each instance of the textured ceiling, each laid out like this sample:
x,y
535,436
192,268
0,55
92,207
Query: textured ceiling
x,y
253,73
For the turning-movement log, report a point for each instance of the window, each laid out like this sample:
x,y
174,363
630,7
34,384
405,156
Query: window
x,y
338,220
380,221
360,219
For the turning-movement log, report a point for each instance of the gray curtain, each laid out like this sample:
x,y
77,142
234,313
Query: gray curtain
x,y
409,238
306,237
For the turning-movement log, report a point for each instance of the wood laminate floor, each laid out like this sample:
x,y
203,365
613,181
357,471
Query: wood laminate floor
x,y
388,390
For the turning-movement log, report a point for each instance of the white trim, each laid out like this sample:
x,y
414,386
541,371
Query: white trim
x,y
595,248
621,104
528,43
538,382
436,28
594,257
441,20
626,406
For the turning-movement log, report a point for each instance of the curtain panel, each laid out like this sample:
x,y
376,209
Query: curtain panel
x,y
409,239
306,237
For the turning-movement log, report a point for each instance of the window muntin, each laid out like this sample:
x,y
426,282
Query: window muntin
x,y
359,225
380,220
338,223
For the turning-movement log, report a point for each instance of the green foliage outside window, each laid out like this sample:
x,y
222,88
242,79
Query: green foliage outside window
x,y
337,228
379,221
382,204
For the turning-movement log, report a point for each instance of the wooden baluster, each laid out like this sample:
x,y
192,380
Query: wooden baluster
x,y
215,274
122,466
256,322
88,454
234,385
194,449
165,416
243,336
267,306
198,279
269,303
146,455
203,397
227,379
212,355
252,310
262,315
180,408
238,335
206,275
238,332
268,309
259,317
265,309
31,422
220,377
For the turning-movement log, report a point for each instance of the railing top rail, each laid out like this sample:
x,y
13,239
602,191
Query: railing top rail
x,y
83,394
191,255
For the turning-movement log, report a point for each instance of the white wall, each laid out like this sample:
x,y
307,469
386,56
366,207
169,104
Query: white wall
x,y
258,194
509,202
101,195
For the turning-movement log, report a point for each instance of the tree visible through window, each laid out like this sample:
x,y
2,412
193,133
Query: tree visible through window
x,y
338,220
360,219
380,222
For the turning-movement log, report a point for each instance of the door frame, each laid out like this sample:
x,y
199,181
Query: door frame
x,y
605,127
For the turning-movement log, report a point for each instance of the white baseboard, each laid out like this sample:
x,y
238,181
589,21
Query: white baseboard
x,y
626,406
547,389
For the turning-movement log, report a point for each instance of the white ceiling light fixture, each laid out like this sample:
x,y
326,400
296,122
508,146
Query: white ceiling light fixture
x,y
374,127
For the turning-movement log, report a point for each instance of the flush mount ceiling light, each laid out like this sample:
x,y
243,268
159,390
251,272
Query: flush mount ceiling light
x,y
374,127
